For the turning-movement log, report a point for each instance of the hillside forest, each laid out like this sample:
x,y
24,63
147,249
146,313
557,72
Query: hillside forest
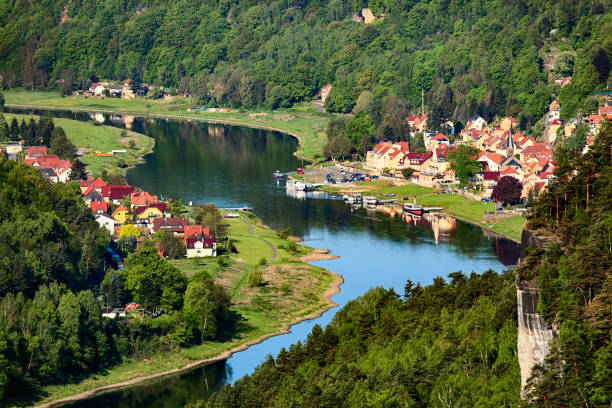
x,y
468,56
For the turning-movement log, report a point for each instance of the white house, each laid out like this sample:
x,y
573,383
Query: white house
x,y
107,222
200,247
476,122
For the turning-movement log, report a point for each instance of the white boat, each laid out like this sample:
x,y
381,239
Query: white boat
x,y
370,200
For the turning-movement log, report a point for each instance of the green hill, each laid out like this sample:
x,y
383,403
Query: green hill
x,y
469,56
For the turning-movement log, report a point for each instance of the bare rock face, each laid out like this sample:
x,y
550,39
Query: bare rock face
x,y
534,333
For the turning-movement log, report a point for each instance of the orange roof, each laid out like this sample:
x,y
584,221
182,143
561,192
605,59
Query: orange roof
x,y
120,208
142,198
190,230
98,206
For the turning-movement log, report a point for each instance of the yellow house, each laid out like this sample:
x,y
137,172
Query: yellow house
x,y
121,214
148,212
570,127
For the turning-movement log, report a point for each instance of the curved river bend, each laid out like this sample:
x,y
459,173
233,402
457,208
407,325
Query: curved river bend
x,y
232,167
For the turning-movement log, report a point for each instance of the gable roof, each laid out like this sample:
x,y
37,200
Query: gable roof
x,y
207,242
173,224
190,230
98,206
37,151
142,198
117,192
160,206
118,209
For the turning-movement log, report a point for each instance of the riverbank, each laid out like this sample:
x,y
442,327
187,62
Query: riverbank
x,y
454,205
302,121
266,310
104,139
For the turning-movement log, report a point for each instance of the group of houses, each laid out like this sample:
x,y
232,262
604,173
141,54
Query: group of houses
x,y
115,206
502,151
50,166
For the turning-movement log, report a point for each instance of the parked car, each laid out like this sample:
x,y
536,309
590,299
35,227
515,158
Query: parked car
x,y
300,171
485,200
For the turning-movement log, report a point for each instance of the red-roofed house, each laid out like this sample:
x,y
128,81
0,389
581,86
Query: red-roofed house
x,y
418,122
142,198
539,152
438,140
36,151
416,160
595,123
606,111
388,155
199,247
492,161
99,207
116,193
173,224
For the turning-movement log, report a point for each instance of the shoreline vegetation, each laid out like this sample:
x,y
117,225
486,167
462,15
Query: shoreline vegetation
x,y
305,292
103,139
302,121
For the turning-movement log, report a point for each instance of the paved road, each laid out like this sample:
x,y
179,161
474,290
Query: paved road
x,y
252,232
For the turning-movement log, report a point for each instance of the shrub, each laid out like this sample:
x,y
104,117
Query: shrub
x,y
255,278
285,288
292,247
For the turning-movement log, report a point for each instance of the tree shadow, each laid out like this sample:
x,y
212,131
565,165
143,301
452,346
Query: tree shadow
x,y
233,327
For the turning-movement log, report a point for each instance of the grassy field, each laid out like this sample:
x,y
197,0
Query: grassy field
x,y
453,204
302,121
103,139
291,290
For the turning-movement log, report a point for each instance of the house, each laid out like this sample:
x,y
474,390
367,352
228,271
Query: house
x,y
563,81
106,221
48,174
116,193
436,141
172,224
491,161
595,122
113,313
416,160
126,90
115,90
417,122
201,247
142,198
476,122
539,152
13,148
121,214
387,155
570,127
98,207
490,178
552,130
606,110
156,210
97,184
63,169
508,123
90,195
325,92
36,151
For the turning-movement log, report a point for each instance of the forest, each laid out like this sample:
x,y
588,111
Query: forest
x,y
55,280
453,343
469,56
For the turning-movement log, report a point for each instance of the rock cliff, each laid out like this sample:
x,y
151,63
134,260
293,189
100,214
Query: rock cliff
x,y
534,333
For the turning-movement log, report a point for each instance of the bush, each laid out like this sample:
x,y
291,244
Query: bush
x,y
263,260
292,247
132,144
285,288
255,278
222,261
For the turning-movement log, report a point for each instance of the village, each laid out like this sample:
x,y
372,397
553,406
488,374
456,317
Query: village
x,y
502,151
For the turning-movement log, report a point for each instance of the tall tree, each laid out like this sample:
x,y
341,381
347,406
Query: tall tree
x,y
463,162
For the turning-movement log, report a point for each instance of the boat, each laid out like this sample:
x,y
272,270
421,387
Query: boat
x,y
278,175
370,200
414,209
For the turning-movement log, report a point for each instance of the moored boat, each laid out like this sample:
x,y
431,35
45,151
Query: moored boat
x,y
414,209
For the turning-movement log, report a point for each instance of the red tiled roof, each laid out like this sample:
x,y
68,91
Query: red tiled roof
x,y
117,192
440,136
120,208
172,224
491,175
37,150
142,198
190,230
98,206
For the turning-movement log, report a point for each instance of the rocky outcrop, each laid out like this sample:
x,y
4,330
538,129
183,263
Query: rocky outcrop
x,y
534,333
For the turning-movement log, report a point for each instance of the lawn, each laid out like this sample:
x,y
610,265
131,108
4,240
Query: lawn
x,y
302,121
102,139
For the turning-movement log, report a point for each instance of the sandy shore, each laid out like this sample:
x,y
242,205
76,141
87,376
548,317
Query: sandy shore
x,y
332,290
318,255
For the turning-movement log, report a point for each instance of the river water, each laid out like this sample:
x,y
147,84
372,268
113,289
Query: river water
x,y
232,167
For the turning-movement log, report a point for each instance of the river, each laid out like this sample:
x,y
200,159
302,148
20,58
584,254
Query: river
x,y
232,167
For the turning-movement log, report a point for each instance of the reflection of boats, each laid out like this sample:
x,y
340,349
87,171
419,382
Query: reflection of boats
x,y
414,209
278,175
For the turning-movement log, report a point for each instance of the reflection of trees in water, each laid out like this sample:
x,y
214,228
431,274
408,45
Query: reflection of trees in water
x,y
506,251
